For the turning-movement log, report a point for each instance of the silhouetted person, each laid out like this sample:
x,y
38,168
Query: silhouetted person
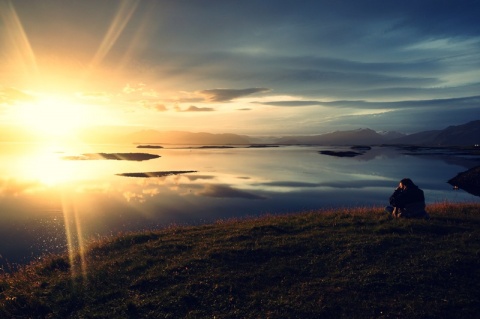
x,y
407,201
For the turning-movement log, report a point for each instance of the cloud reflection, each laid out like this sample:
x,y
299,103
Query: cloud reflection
x,y
226,191
334,184
12,187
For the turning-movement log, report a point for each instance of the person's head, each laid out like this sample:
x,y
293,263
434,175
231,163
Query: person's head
x,y
406,183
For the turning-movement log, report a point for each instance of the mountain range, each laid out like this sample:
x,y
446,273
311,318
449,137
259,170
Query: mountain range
x,y
461,135
465,134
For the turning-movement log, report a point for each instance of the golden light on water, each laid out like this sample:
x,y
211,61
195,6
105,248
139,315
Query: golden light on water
x,y
44,174
42,163
74,235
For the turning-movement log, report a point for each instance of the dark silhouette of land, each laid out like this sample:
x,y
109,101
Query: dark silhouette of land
x,y
340,153
113,156
155,174
469,181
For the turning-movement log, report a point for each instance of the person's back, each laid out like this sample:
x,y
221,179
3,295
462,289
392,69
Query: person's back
x,y
408,200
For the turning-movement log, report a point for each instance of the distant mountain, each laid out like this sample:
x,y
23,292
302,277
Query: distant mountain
x,y
179,137
459,135
466,134
390,135
353,137
421,138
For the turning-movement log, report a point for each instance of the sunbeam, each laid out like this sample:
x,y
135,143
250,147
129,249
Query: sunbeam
x,y
75,241
21,52
124,14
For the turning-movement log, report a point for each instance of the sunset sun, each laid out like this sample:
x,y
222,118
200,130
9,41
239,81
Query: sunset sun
x,y
52,116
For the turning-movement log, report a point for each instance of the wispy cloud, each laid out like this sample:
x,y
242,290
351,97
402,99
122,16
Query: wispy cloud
x,y
133,88
290,103
471,101
226,95
10,95
193,108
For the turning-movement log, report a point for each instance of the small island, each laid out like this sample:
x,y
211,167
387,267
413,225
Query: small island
x,y
360,148
340,153
112,156
155,174
213,146
262,146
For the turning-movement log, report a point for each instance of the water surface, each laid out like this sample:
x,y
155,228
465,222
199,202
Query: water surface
x,y
50,204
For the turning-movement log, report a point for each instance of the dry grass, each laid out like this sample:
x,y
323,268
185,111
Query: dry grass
x,y
347,263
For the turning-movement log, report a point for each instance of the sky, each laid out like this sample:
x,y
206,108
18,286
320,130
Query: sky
x,y
269,67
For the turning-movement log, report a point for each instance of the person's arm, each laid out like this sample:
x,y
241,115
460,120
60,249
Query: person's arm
x,y
394,199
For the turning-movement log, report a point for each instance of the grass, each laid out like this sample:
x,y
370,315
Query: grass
x,y
345,263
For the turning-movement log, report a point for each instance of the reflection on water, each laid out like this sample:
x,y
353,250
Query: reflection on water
x,y
48,204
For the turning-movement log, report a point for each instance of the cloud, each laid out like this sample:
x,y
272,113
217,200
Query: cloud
x,y
159,107
351,184
193,108
186,100
471,101
10,95
194,178
353,54
9,187
290,184
226,95
154,105
291,103
150,93
133,88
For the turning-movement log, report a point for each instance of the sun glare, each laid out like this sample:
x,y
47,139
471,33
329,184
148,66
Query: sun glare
x,y
52,117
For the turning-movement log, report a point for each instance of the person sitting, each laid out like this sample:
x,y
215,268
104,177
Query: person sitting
x,y
407,201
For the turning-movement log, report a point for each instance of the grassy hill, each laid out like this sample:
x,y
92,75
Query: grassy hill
x,y
352,263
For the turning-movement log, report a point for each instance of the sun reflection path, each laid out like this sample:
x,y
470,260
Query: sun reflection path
x,y
59,178
75,240
45,166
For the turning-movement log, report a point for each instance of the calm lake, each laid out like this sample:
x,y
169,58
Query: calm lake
x,y
51,203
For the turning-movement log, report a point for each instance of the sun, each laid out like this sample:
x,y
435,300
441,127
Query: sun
x,y
52,116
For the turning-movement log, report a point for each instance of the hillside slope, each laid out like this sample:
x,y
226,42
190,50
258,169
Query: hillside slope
x,y
355,263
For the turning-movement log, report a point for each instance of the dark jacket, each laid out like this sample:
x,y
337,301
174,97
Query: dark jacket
x,y
410,202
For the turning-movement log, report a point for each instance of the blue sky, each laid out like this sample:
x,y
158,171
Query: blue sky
x,y
248,67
